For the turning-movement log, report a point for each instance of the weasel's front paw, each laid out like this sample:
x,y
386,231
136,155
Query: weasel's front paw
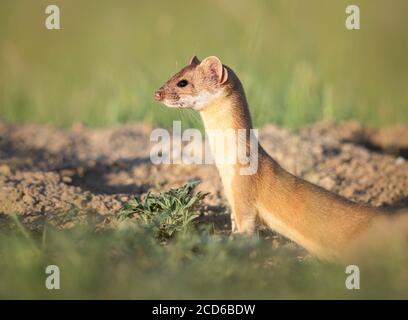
x,y
234,228
234,235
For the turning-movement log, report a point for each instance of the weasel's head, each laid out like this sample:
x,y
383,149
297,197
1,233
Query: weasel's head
x,y
196,85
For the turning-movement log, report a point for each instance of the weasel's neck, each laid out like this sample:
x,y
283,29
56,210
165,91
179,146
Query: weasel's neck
x,y
221,118
230,112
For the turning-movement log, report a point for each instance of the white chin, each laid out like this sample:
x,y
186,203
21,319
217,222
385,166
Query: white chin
x,y
174,104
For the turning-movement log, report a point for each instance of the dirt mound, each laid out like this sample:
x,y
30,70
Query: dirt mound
x,y
62,176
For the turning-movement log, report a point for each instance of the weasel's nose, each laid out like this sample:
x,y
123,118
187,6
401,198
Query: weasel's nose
x,y
158,95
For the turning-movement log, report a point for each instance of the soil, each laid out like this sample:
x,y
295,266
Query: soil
x,y
66,176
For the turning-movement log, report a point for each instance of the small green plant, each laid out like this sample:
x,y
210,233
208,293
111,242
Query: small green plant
x,y
166,213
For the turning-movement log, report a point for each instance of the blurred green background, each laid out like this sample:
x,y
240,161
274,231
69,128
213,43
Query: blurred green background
x,y
298,62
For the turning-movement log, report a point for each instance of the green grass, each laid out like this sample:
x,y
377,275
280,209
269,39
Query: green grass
x,y
297,61
130,261
167,213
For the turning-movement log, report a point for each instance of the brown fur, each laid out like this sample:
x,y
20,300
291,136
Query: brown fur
x,y
322,222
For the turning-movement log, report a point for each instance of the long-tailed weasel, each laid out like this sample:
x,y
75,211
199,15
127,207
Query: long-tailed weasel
x,y
320,221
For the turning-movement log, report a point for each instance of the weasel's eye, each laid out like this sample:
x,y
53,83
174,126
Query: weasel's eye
x,y
182,83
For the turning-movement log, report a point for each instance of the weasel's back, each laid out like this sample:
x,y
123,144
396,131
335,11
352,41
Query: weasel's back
x,y
321,221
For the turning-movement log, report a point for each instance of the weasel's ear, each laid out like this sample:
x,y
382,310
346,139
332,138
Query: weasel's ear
x,y
194,60
214,67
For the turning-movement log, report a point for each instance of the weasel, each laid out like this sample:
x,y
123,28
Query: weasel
x,y
320,221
